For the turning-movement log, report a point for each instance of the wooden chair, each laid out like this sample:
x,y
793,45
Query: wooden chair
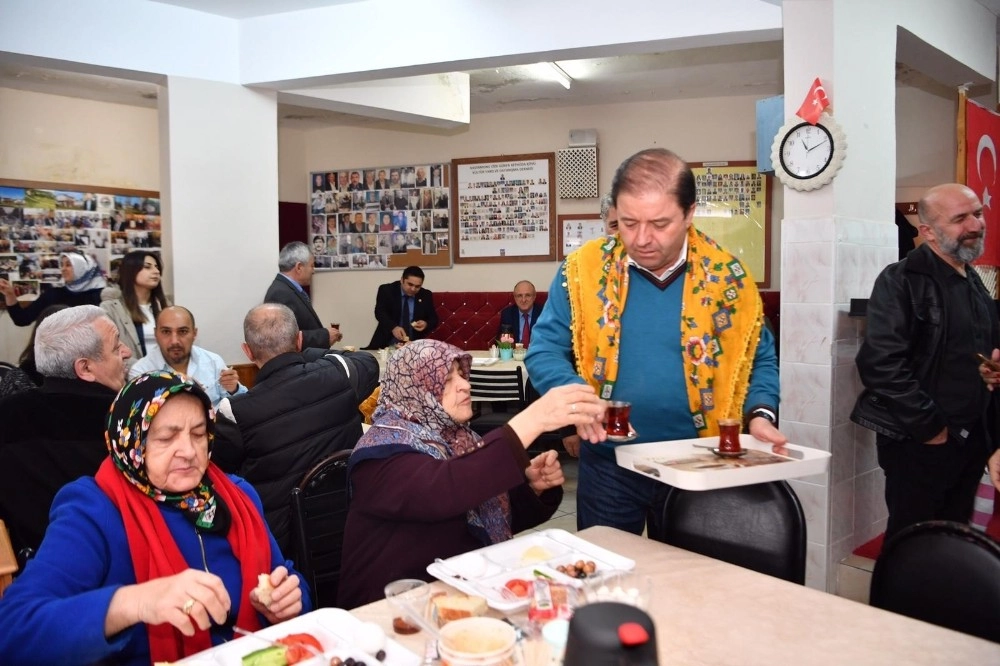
x,y
759,526
319,515
944,573
8,563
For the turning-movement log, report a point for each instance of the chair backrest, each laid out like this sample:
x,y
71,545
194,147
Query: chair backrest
x,y
944,573
497,385
319,513
759,526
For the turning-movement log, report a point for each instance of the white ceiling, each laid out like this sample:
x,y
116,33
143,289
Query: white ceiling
x,y
745,69
742,69
240,9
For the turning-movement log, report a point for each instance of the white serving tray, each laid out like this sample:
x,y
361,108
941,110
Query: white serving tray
x,y
332,627
484,571
683,464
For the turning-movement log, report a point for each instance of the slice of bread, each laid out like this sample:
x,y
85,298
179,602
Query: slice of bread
x,y
448,607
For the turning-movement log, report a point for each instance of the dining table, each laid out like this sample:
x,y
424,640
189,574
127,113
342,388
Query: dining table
x,y
706,611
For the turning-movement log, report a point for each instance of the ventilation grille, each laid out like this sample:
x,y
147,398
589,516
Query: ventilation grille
x,y
576,173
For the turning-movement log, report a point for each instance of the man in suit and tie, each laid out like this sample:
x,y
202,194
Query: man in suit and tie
x,y
404,310
297,265
520,318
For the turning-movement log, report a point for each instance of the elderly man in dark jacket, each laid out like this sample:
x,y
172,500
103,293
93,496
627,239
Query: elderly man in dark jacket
x,y
302,408
55,434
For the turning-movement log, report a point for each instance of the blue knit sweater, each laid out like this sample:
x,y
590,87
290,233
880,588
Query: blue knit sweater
x,y
54,612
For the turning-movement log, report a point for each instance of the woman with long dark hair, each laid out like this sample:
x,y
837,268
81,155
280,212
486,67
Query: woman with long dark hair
x,y
137,300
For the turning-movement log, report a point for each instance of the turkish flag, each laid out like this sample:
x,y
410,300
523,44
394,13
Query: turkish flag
x,y
982,136
814,104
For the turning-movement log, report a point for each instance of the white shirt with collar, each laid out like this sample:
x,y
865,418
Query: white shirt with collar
x,y
203,366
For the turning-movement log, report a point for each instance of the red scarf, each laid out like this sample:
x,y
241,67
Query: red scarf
x,y
155,555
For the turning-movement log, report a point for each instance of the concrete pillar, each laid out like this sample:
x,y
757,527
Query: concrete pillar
x,y
219,172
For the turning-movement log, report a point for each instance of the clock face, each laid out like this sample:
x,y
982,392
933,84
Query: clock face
x,y
806,150
806,156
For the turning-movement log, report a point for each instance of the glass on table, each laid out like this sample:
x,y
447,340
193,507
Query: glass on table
x,y
406,597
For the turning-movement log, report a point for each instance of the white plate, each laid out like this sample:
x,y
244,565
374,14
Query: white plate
x,y
687,464
334,628
508,560
484,361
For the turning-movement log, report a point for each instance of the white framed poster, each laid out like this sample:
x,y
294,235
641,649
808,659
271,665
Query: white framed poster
x,y
504,208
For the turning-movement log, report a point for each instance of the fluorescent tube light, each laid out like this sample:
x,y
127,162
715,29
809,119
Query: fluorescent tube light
x,y
556,73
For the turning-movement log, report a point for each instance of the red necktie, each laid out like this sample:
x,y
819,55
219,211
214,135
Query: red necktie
x,y
525,330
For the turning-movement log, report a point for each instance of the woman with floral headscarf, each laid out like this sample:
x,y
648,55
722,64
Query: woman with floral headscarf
x,y
83,282
425,485
157,556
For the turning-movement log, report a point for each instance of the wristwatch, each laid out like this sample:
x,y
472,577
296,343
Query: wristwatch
x,y
763,412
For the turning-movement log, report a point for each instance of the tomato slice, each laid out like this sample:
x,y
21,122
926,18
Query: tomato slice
x,y
296,647
520,588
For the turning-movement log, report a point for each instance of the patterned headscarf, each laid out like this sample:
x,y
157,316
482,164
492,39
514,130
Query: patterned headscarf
x,y
128,426
216,505
86,273
410,417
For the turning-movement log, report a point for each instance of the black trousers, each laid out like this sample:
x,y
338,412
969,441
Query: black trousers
x,y
928,482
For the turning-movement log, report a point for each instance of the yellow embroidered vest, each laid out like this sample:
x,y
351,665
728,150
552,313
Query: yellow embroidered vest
x,y
721,318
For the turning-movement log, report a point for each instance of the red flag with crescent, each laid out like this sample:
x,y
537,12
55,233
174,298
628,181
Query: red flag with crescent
x,y
982,138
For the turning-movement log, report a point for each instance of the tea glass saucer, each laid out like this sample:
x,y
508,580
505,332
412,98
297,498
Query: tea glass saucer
x,y
727,454
632,434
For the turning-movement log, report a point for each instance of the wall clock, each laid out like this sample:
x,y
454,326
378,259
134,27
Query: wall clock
x,y
805,156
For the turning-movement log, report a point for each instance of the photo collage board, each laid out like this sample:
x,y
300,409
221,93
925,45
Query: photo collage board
x,y
38,221
380,217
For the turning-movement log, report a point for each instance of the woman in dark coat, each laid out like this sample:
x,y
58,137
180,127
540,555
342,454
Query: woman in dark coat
x,y
425,485
82,285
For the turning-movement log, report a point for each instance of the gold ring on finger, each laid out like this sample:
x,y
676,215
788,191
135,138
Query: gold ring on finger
x,y
572,407
188,606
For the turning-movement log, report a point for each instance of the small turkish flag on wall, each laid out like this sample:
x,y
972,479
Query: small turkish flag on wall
x,y
814,104
982,137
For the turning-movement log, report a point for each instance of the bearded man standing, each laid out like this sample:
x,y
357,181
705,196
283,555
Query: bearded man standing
x,y
928,316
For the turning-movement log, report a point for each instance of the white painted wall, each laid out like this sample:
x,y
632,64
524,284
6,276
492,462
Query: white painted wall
x,y
49,138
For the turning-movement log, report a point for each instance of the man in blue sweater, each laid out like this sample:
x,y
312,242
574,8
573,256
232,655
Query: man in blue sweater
x,y
658,315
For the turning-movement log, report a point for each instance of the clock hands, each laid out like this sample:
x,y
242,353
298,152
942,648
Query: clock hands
x,y
809,150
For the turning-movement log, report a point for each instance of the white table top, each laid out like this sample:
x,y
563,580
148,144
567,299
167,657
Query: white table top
x,y
765,620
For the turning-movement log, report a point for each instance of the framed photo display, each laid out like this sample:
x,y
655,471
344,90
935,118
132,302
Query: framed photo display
x,y
734,209
577,229
38,221
504,208
367,218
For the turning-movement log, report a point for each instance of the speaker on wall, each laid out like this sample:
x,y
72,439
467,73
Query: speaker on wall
x,y
580,138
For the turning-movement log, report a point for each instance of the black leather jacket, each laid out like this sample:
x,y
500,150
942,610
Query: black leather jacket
x,y
900,358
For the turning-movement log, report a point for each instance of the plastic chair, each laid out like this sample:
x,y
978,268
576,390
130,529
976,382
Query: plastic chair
x,y
319,514
503,390
941,572
759,526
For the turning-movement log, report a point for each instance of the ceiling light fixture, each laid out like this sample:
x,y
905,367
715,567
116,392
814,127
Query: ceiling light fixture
x,y
556,73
